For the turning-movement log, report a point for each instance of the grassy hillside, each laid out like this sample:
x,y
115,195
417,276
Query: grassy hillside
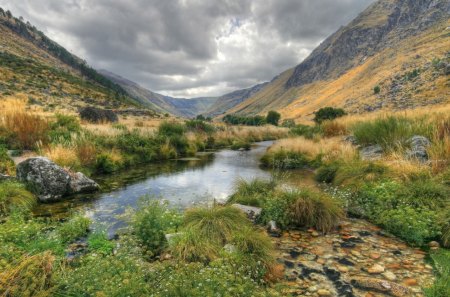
x,y
33,65
410,70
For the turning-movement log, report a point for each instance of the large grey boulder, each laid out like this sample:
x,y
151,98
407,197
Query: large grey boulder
x,y
373,152
49,181
418,148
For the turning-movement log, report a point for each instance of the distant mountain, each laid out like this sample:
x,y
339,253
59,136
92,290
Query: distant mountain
x,y
181,107
230,100
33,65
402,46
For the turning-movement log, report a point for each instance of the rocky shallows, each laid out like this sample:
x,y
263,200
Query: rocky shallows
x,y
357,260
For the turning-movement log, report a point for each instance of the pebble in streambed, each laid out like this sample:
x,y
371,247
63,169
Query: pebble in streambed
x,y
357,260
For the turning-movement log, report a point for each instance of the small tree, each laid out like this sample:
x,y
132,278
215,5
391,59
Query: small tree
x,y
273,117
376,90
328,113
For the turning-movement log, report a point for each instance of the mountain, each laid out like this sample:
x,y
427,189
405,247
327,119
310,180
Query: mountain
x,y
164,104
37,68
402,46
230,100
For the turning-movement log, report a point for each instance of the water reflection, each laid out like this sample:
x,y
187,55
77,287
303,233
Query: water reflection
x,y
182,182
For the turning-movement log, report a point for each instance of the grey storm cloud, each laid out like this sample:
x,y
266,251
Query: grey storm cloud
x,y
189,48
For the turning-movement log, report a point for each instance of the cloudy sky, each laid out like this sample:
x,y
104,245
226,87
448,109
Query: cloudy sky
x,y
189,48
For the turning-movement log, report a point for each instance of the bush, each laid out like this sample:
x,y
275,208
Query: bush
x,y
239,144
288,123
151,222
14,197
376,90
416,226
97,115
171,129
273,118
328,113
249,121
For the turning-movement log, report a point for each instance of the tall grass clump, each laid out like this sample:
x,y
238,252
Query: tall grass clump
x,y
25,130
253,192
313,209
14,197
31,276
216,223
75,228
391,132
6,164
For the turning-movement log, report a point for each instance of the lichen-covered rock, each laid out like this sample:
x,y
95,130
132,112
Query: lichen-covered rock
x,y
372,152
251,211
49,181
418,150
79,183
97,115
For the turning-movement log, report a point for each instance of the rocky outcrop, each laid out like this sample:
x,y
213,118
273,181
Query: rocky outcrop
x,y
418,148
251,211
50,182
378,27
97,115
372,152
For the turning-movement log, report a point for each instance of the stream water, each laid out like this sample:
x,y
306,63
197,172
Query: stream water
x,y
183,182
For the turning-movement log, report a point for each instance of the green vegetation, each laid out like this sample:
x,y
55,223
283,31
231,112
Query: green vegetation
x,y
390,132
376,90
6,164
441,287
248,121
328,113
285,159
253,192
14,197
273,117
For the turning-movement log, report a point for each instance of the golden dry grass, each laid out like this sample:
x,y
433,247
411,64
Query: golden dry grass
x,y
331,148
63,156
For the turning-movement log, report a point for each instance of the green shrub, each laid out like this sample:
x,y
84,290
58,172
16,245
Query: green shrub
x,y
241,120
14,197
328,113
143,148
288,123
273,117
239,144
376,90
416,226
152,221
391,132
356,172
75,228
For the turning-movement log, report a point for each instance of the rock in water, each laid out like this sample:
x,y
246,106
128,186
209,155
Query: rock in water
x,y
379,285
97,115
372,152
49,181
80,183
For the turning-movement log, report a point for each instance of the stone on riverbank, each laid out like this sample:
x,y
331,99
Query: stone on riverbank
x,y
50,182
